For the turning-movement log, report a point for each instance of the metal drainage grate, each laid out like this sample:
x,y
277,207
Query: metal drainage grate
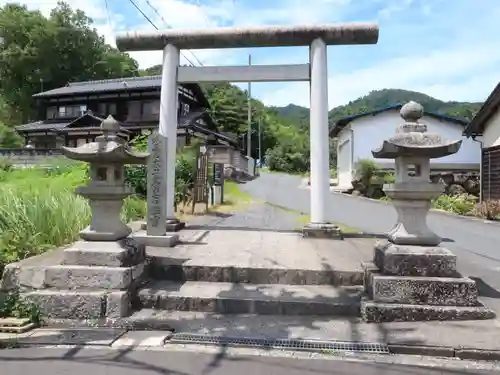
x,y
287,344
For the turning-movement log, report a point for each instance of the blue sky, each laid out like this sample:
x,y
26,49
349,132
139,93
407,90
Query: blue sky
x,y
448,49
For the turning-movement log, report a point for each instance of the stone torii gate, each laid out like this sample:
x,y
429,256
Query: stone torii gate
x,y
317,37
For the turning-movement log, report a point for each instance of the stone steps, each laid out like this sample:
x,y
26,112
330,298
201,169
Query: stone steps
x,y
261,299
171,270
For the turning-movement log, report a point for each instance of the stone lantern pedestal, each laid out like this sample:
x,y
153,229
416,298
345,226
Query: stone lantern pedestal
x,y
412,277
95,277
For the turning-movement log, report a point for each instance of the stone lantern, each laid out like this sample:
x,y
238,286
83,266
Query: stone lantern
x,y
412,148
412,277
107,189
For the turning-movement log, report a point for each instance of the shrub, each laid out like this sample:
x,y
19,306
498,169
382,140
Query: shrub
x,y
366,169
489,210
5,164
287,159
459,204
185,174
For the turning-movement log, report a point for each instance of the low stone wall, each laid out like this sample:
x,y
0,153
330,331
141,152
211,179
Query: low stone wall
x,y
455,183
28,156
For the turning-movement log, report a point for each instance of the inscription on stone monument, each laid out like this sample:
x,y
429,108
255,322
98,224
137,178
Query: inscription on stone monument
x,y
157,199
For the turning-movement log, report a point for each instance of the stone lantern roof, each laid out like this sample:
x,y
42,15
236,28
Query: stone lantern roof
x,y
107,148
412,138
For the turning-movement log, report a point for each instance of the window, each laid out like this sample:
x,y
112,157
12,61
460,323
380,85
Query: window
x,y
185,109
76,110
134,111
151,109
51,112
106,109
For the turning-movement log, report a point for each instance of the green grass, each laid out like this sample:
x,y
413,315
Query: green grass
x,y
39,209
234,199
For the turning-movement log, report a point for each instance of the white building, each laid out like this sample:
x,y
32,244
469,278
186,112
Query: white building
x,y
359,134
485,129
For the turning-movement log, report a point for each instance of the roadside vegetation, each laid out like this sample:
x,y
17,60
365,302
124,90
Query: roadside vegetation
x,y
370,180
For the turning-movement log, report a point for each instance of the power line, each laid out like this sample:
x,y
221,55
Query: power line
x,y
153,24
169,27
110,24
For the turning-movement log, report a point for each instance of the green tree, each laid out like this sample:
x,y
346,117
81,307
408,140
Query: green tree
x,y
9,138
54,50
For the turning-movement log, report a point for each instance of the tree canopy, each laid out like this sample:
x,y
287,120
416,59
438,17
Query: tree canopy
x,y
47,52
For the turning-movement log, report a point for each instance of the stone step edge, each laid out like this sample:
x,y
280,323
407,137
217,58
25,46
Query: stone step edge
x,y
420,290
379,312
253,275
75,277
77,304
232,303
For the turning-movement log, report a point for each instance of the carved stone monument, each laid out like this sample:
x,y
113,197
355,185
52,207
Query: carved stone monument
x,y
155,231
412,277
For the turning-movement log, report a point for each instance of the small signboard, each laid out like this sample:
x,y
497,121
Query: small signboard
x,y
200,191
218,174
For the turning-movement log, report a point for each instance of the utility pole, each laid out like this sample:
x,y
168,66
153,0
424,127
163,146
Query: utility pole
x,y
249,134
260,143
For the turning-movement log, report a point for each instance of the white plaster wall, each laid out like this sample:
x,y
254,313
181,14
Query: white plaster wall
x,y
371,131
344,156
491,134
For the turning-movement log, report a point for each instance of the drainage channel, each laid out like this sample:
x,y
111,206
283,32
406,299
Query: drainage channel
x,y
284,344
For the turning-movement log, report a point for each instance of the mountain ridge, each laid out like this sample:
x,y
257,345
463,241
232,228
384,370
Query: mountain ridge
x,y
379,99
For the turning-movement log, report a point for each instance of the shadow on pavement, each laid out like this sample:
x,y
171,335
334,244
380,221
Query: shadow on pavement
x,y
484,289
82,361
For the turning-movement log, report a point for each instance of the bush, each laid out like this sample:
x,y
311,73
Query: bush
x,y
366,169
185,174
5,164
284,159
459,204
489,210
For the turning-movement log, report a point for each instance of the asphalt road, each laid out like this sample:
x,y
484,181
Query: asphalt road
x,y
476,244
78,361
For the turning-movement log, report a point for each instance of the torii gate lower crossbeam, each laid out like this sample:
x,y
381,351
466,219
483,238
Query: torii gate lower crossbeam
x,y
316,37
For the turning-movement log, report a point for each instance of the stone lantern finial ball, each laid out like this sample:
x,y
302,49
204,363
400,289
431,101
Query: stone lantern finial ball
x,y
412,112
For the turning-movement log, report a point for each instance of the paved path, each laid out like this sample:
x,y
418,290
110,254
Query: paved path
x,y
78,361
476,244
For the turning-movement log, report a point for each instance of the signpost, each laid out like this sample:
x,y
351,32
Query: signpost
x,y
218,183
200,193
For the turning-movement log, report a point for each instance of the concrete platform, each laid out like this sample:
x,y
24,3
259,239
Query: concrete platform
x,y
265,299
236,255
463,339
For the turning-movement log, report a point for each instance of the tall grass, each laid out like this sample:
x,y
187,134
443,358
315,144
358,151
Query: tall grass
x,y
39,209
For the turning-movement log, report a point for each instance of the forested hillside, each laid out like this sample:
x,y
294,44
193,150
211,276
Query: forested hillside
x,y
385,98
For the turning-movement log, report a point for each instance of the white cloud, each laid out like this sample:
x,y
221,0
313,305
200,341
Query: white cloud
x,y
435,74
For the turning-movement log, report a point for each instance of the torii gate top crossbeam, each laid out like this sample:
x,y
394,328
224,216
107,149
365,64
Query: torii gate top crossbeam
x,y
228,37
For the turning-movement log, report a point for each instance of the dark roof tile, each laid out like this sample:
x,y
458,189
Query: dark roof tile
x,y
343,122
41,125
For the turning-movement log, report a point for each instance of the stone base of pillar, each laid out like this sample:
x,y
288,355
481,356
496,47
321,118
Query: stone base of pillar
x,y
322,230
174,225
418,283
171,225
167,240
